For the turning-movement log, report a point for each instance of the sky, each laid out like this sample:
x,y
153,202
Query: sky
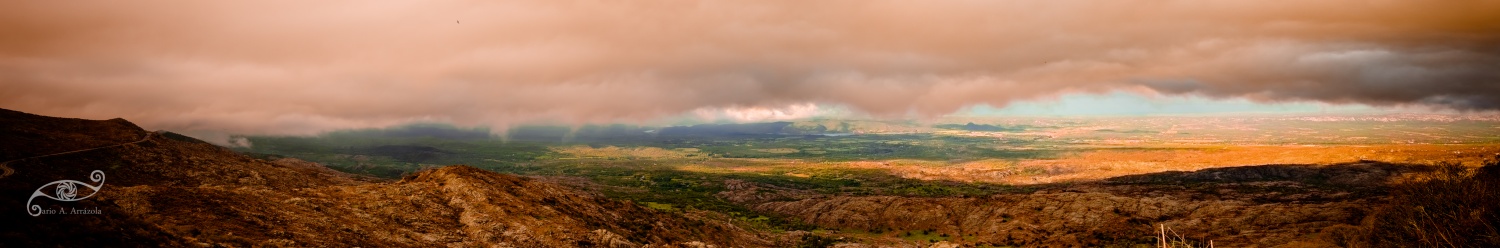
x,y
305,67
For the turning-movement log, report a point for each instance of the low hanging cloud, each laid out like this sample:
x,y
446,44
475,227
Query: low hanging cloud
x,y
302,67
760,114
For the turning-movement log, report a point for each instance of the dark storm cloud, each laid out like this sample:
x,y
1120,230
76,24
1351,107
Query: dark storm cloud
x,y
299,67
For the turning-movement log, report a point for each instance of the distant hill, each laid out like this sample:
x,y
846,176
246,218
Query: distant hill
x,y
981,127
440,131
750,129
161,190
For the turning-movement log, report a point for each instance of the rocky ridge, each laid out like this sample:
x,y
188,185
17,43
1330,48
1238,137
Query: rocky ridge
x,y
163,189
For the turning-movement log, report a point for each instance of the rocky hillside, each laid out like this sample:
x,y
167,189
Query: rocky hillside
x,y
162,189
1253,206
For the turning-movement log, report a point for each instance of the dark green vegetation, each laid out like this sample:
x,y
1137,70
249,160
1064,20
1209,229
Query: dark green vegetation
x,y
390,157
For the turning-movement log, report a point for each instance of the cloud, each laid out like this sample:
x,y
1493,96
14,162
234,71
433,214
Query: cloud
x,y
763,114
299,67
1336,73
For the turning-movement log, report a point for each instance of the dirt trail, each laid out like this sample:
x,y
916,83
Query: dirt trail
x,y
6,171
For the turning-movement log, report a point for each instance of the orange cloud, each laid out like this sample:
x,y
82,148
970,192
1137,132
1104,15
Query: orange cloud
x,y
296,67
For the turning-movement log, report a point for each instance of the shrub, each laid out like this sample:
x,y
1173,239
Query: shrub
x,y
1455,207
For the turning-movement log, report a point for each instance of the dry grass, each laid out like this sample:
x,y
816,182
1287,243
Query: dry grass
x,y
1168,238
1101,164
1456,206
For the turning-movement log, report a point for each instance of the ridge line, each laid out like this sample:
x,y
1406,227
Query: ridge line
x,y
7,171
